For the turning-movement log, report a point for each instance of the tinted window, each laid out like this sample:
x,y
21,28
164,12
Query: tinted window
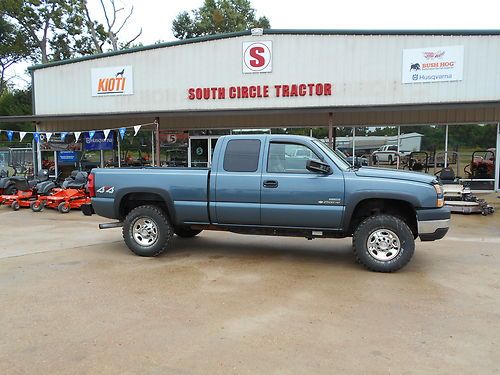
x,y
242,155
289,158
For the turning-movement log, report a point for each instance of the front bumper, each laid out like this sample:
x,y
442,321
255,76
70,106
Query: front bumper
x,y
433,224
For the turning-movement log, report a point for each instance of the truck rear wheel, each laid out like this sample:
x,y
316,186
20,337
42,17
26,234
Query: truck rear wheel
x,y
147,231
186,232
383,243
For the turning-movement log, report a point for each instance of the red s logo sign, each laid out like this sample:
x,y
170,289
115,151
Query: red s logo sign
x,y
258,58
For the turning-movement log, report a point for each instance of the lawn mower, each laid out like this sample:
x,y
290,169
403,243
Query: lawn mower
x,y
71,196
482,165
7,186
28,190
459,198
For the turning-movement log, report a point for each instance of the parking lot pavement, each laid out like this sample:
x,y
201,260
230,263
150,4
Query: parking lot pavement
x,y
74,300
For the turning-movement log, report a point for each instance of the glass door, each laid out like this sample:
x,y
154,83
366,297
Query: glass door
x,y
199,152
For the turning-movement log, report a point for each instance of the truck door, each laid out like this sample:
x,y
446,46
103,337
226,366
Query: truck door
x,y
237,182
292,196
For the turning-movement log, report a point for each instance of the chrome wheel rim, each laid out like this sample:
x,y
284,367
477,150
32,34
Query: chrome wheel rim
x,y
145,231
383,245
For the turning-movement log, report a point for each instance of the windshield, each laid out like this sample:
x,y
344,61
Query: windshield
x,y
335,156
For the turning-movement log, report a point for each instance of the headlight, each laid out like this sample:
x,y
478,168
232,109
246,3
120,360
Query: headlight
x,y
439,195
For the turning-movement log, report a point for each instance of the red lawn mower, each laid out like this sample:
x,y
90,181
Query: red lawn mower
x,y
28,190
72,195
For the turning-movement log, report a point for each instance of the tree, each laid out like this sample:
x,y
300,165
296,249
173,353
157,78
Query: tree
x,y
13,49
108,34
217,16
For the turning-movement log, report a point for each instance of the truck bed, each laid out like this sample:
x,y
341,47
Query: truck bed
x,y
187,188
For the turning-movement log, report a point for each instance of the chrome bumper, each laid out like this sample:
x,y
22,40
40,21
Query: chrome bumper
x,y
431,230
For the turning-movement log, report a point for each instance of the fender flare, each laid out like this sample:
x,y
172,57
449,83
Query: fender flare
x,y
360,196
164,194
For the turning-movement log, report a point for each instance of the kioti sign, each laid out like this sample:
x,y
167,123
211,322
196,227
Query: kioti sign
x,y
118,80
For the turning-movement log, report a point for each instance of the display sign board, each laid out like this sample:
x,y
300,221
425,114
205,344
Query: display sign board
x,y
99,142
57,143
67,157
433,64
258,57
172,138
117,80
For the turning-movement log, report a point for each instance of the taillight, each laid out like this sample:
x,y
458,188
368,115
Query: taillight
x,y
90,185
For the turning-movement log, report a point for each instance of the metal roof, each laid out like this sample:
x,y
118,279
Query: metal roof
x,y
270,32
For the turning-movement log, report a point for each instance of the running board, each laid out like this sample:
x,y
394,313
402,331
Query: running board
x,y
117,224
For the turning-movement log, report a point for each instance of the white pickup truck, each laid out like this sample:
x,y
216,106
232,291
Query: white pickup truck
x,y
388,154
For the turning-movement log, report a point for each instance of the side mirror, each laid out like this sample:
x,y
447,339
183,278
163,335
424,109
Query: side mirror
x,y
318,167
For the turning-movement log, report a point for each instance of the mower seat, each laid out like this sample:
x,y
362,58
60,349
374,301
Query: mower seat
x,y
21,183
447,176
44,187
79,182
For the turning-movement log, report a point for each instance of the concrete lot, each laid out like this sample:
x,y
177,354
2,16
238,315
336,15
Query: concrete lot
x,y
74,300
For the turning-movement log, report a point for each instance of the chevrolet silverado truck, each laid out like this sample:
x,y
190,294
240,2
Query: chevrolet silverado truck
x,y
278,185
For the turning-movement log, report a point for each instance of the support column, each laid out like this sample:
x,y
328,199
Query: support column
x,y
102,158
39,156
398,140
330,130
118,143
353,145
153,147
497,161
157,122
445,148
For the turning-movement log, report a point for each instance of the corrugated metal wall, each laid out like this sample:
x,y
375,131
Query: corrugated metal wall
x,y
365,71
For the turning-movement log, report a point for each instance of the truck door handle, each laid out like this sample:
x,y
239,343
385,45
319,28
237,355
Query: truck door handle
x,y
270,184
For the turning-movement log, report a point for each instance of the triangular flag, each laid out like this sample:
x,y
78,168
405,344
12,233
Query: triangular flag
x,y
36,136
63,136
21,135
10,134
122,132
106,133
91,134
48,135
136,129
77,136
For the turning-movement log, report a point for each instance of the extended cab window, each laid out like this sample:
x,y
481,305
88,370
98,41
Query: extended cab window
x,y
289,158
242,155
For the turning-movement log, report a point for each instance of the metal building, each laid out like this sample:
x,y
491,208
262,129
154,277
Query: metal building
x,y
278,78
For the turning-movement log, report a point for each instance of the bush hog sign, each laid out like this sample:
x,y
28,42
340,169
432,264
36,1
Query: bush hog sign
x,y
118,80
433,64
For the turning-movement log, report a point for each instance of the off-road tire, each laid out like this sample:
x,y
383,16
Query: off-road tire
x,y
15,205
186,232
164,230
36,206
377,222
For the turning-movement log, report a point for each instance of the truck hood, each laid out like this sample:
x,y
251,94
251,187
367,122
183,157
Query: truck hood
x,y
395,174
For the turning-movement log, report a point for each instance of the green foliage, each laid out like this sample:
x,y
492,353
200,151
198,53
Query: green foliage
x,y
13,48
16,103
217,16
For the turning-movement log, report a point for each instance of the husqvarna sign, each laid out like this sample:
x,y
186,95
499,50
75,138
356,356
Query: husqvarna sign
x,y
116,80
433,64
258,57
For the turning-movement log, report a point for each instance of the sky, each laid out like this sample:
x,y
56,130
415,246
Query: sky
x,y
155,16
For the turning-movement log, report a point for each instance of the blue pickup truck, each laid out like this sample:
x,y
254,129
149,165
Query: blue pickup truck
x,y
278,185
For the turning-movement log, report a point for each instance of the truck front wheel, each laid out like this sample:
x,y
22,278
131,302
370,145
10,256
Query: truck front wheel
x,y
383,243
147,231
